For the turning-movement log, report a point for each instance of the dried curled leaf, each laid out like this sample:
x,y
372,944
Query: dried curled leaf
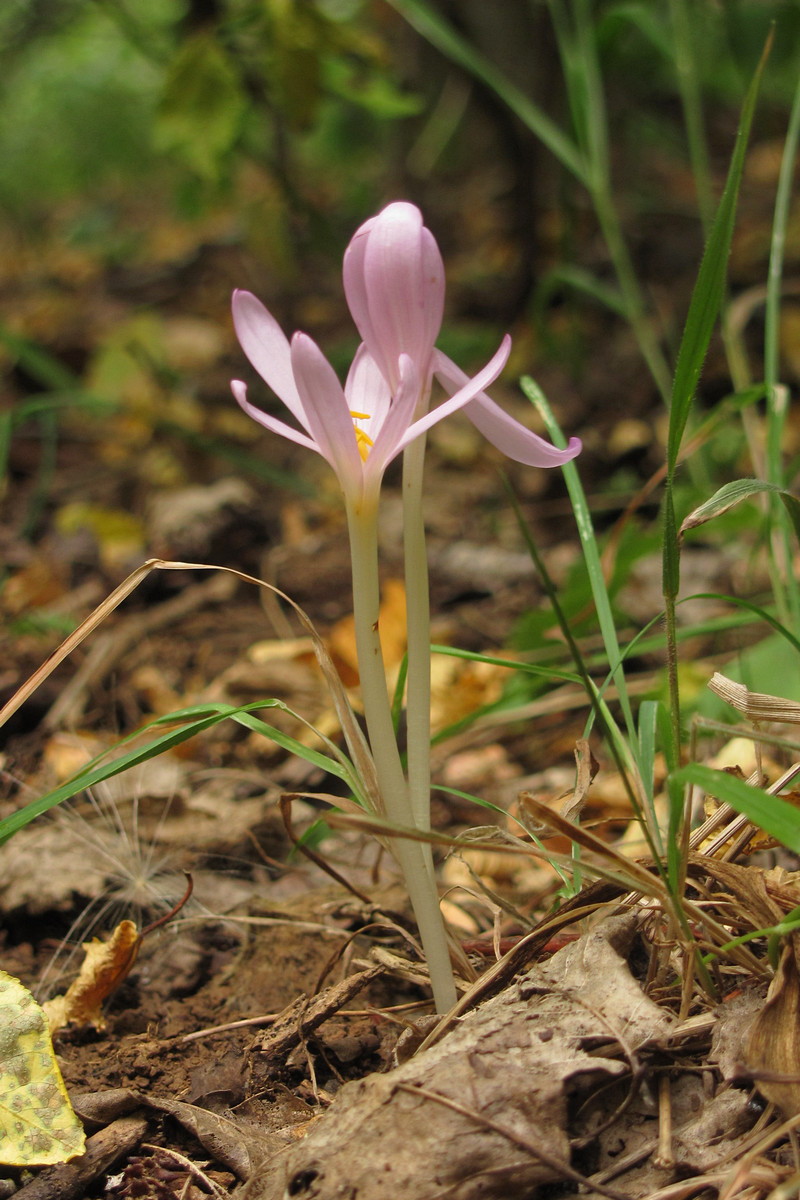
x,y
773,1048
103,969
37,1124
756,706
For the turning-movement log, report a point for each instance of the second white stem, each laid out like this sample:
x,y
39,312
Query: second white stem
x,y
414,860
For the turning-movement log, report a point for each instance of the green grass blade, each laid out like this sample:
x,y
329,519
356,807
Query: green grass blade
x,y
579,280
91,775
591,552
203,717
710,285
6,425
514,664
399,690
772,814
38,363
648,730
449,42
691,102
733,493
776,417
749,606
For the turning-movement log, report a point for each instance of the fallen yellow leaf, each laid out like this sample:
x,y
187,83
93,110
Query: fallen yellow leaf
x,y
37,1124
103,969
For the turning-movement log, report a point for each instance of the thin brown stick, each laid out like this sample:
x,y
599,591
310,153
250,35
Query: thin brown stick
x,y
187,1165
286,812
562,1169
173,912
664,1155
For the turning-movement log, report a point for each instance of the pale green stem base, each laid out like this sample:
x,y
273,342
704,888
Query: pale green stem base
x,y
362,520
418,684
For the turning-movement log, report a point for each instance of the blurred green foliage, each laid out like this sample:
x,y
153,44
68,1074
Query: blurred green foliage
x,y
99,91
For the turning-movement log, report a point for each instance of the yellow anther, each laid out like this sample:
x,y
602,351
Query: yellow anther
x,y
363,440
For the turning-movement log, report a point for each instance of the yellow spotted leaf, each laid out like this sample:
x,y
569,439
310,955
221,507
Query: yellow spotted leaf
x,y
37,1124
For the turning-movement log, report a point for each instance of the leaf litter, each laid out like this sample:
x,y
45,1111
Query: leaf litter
x,y
595,1068
566,1073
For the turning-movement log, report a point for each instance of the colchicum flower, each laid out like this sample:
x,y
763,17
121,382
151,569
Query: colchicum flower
x,y
360,428
394,284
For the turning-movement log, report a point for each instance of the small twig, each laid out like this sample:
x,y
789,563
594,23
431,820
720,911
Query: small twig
x,y
286,812
189,1166
740,821
340,950
245,1023
664,1155
386,1014
562,1169
290,1030
173,912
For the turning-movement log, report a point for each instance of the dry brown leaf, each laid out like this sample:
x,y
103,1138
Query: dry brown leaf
x,y
67,753
498,1087
104,968
42,581
460,687
772,1051
392,620
756,706
747,884
569,806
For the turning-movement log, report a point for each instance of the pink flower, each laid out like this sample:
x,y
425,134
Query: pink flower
x,y
394,283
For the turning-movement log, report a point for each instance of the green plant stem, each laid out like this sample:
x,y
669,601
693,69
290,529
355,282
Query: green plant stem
x,y
362,520
418,623
583,79
670,589
787,592
689,88
691,103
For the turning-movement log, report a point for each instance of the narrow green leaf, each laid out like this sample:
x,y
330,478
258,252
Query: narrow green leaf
x,y
203,717
748,605
444,37
399,691
733,493
5,441
776,409
772,814
42,366
513,664
648,728
792,506
88,778
579,280
591,552
644,18
709,288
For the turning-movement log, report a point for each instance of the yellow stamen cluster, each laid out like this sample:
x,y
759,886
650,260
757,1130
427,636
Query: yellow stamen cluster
x,y
363,440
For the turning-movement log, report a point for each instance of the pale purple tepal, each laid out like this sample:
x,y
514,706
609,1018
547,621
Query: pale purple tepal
x,y
394,284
